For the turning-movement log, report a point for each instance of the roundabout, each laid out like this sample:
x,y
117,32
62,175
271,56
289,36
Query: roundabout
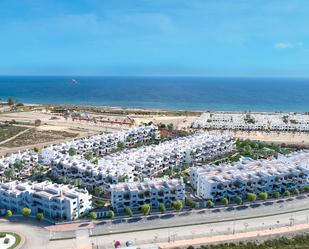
x,y
9,240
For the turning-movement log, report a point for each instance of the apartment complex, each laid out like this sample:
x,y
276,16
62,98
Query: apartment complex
x,y
237,179
253,121
21,164
145,161
153,192
101,144
54,200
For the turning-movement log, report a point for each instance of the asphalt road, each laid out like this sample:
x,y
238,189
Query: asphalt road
x,y
169,228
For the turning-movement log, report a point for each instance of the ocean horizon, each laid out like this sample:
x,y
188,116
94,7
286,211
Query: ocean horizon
x,y
168,93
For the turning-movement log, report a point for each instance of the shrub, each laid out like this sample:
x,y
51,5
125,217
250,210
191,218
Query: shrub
x,y
178,205
39,216
129,211
287,193
36,149
26,212
296,192
2,234
306,189
251,197
37,122
162,208
276,195
225,201
263,196
6,240
238,200
111,214
72,152
8,213
210,204
145,209
93,215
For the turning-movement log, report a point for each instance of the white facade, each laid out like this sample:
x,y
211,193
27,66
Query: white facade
x,y
237,179
253,121
100,145
54,200
145,161
27,158
153,192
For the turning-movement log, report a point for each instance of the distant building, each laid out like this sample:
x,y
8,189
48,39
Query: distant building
x,y
53,200
153,192
253,121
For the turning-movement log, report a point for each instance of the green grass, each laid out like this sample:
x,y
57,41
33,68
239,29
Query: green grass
x,y
17,239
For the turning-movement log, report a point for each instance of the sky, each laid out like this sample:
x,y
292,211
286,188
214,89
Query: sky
x,y
154,37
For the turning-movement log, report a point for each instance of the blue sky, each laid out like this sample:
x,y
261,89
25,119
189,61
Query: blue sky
x,y
154,37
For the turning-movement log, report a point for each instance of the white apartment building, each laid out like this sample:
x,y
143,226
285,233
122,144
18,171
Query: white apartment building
x,y
146,161
27,159
151,191
233,180
100,145
54,200
253,121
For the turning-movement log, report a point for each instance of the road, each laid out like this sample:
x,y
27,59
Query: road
x,y
183,226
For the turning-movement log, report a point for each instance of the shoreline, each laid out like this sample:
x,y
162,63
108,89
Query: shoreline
x,y
154,109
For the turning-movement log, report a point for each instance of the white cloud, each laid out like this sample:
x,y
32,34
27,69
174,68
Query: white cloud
x,y
285,45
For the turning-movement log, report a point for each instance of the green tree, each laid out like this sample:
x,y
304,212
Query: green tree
x,y
72,152
9,173
238,200
162,208
88,156
39,216
76,182
111,214
170,126
287,193
129,211
37,122
18,165
93,215
145,209
210,204
10,101
263,196
251,197
8,213
276,195
26,212
296,191
98,191
225,201
178,205
62,180
121,145
306,189
36,149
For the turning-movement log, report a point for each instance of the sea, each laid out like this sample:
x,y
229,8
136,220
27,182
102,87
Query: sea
x,y
167,93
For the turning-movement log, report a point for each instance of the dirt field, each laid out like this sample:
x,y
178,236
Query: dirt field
x,y
35,136
7,131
